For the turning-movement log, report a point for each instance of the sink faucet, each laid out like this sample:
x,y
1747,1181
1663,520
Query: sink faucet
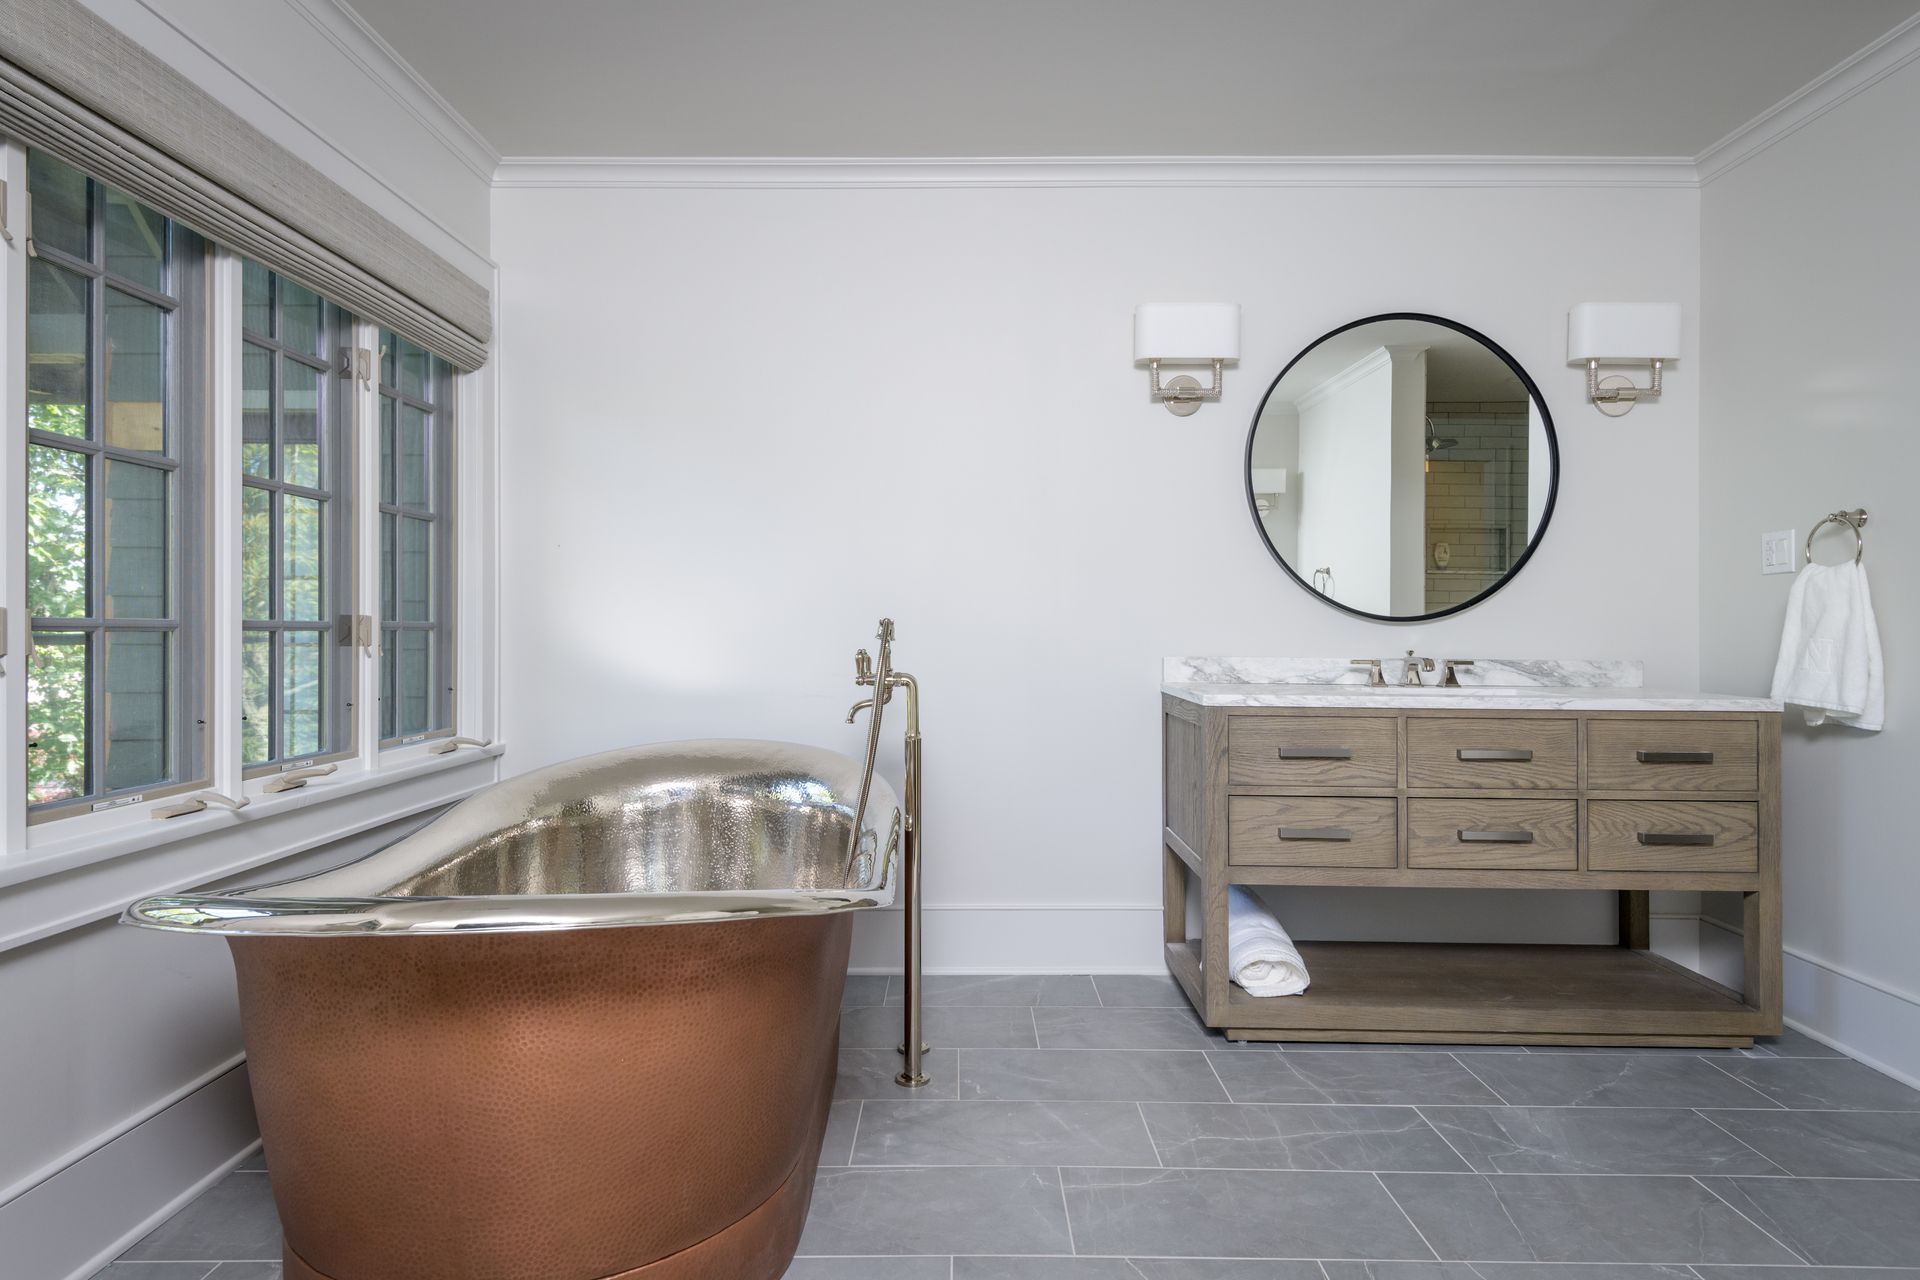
x,y
1414,667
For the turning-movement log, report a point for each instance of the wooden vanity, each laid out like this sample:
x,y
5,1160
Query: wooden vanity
x,y
1608,789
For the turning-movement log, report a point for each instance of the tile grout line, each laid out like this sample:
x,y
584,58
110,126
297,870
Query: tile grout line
x,y
1476,1075
1066,1212
1157,1157
1777,1104
1219,1079
1804,1260
853,1147
1702,1113
1443,1137
1424,1242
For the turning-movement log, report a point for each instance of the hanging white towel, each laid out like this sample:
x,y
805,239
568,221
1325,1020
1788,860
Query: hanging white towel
x,y
1830,648
1260,955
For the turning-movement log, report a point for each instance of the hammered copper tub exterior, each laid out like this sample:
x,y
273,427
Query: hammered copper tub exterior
x,y
531,1101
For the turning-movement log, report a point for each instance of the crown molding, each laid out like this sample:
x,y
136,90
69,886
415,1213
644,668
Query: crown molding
x,y
1094,171
1788,116
355,38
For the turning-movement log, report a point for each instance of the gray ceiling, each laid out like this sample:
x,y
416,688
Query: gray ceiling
x,y
1120,77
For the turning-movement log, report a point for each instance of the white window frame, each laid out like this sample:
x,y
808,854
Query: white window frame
x,y
81,861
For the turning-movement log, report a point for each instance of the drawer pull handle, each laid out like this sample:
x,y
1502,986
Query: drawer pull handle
x,y
1316,753
1494,753
1676,837
1674,757
1495,837
1315,833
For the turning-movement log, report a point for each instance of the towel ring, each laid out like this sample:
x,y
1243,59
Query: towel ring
x,y
1853,520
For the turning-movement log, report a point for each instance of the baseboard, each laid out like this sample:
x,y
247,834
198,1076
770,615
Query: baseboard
x,y
81,1218
986,938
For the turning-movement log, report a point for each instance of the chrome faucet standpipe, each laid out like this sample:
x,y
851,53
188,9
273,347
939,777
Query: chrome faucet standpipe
x,y
883,679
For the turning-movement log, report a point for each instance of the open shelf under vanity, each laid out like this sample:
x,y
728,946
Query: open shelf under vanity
x,y
1453,993
1548,797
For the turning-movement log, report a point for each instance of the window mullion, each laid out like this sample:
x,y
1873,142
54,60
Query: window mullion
x,y
224,640
13,500
365,587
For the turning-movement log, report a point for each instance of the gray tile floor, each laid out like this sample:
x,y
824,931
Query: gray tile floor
x,y
1091,1129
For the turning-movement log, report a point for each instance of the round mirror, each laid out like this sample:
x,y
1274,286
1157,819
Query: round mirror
x,y
1402,467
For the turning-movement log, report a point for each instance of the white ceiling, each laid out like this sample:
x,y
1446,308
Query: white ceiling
x,y
928,78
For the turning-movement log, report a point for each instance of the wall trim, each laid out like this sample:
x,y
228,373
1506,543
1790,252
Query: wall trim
x,y
127,1187
478,257
1837,970
811,173
100,890
1788,116
118,1129
355,37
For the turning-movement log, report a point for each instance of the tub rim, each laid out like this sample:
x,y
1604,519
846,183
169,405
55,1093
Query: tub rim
x,y
276,909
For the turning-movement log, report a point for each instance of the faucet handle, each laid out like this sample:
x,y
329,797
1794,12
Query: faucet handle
x,y
1450,671
863,667
1374,677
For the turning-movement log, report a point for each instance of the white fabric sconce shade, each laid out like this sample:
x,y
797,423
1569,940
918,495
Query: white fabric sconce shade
x,y
1202,333
1186,332
1622,333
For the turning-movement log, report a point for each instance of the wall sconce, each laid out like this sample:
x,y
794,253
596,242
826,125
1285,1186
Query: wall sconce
x,y
1190,333
1622,333
1268,483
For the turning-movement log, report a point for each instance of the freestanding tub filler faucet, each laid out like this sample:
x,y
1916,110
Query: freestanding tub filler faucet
x,y
883,680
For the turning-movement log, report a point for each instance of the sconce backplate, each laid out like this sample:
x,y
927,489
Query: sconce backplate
x,y
1615,408
1182,408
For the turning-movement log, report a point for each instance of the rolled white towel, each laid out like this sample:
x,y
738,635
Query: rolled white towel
x,y
1260,955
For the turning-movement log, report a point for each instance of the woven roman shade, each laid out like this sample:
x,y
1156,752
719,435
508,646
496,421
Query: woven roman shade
x,y
74,85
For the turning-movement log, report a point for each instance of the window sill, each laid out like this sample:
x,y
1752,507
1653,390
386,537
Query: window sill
x,y
72,880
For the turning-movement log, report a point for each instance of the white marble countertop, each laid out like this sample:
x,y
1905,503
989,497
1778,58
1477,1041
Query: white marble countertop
x,y
1488,697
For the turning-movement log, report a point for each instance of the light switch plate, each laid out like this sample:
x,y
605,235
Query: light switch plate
x,y
1776,551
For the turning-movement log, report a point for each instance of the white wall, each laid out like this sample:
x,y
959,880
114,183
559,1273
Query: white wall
x,y
117,1088
1810,326
748,422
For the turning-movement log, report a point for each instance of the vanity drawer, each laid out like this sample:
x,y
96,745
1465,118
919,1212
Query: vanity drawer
x,y
1312,831
1498,754
1313,751
1673,755
1493,835
1672,835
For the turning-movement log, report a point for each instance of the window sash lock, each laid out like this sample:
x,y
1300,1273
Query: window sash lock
x,y
355,630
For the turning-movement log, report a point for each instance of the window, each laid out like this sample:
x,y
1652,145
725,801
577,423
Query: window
x,y
296,523
213,458
116,424
416,542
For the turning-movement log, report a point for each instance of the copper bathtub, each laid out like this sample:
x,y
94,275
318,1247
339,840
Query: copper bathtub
x,y
582,1026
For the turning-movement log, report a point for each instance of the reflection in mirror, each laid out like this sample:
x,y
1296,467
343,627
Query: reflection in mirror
x,y
1402,467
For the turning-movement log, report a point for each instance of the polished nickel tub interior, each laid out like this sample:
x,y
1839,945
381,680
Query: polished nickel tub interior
x,y
670,833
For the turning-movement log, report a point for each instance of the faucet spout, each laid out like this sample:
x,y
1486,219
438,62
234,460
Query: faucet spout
x,y
865,704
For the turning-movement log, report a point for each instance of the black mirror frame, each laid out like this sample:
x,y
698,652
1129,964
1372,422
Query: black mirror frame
x,y
1553,456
